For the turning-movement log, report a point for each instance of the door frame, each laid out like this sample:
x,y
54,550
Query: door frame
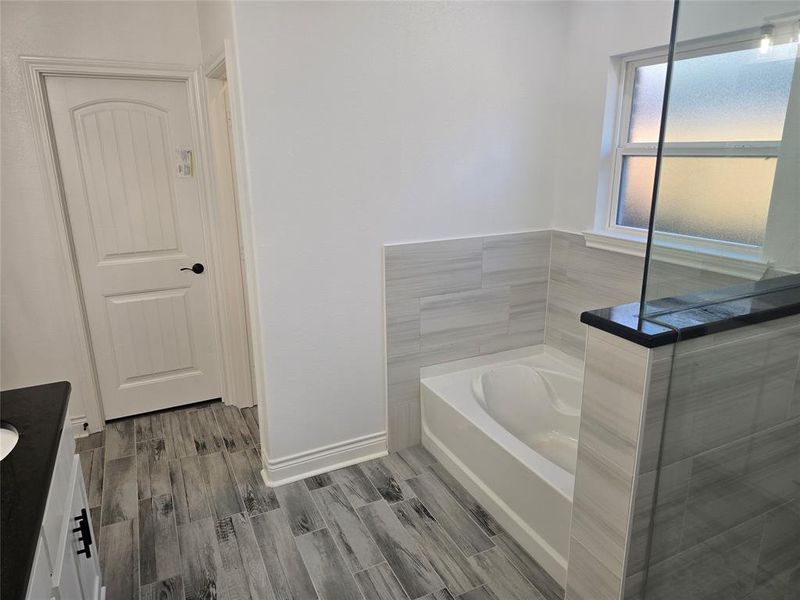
x,y
224,64
35,70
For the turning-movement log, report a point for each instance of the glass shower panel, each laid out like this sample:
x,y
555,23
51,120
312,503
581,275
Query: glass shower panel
x,y
725,520
726,207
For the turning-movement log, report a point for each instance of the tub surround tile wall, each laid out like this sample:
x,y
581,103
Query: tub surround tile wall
x,y
583,278
727,495
618,385
453,299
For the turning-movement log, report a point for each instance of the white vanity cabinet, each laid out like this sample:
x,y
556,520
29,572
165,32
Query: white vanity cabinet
x,y
66,565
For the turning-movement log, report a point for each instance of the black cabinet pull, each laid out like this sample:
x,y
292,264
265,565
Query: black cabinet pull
x,y
86,533
196,268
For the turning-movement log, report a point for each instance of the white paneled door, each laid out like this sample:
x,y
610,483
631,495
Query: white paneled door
x,y
125,150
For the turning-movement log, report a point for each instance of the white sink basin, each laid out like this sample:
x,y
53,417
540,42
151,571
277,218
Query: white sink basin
x,y
8,439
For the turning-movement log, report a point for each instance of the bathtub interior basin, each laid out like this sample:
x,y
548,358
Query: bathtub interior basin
x,y
539,406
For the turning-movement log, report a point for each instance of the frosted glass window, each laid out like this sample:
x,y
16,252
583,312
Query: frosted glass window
x,y
729,97
636,191
723,132
718,198
648,98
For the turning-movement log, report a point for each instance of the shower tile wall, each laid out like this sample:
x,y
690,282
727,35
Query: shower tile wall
x,y
453,299
620,379
727,513
583,278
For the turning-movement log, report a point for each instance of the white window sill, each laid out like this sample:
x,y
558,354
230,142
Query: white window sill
x,y
708,259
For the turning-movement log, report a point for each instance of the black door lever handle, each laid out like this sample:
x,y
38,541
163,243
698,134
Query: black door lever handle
x,y
196,268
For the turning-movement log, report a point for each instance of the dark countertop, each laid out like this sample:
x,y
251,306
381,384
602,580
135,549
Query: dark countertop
x,y
38,414
701,313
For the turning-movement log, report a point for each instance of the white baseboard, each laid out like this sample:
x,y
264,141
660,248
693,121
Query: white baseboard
x,y
79,426
298,466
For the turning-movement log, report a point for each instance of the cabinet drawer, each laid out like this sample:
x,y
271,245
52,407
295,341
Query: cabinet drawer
x,y
86,562
56,512
40,585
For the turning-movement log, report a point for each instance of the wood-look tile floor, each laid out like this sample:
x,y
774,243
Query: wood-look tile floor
x,y
181,511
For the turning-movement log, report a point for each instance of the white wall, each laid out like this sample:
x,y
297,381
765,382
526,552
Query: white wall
x,y
39,332
371,123
215,18
597,31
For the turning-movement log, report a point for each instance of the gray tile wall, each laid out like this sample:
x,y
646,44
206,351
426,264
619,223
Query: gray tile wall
x,y
582,279
453,299
620,380
727,512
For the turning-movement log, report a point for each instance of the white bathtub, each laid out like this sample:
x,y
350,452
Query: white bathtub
x,y
506,426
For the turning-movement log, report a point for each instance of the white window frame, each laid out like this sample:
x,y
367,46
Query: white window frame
x,y
630,236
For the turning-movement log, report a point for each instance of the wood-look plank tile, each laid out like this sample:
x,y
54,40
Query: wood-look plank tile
x,y
119,440
326,567
244,573
221,485
94,515
417,458
318,481
503,577
398,466
533,571
119,560
380,583
200,559
452,566
440,595
287,572
94,485
169,589
142,471
158,467
299,507
256,496
159,555
357,487
178,434
86,464
189,490
89,442
147,427
206,434
120,499
480,515
147,543
482,593
166,536
235,433
391,488
357,546
250,415
467,535
413,570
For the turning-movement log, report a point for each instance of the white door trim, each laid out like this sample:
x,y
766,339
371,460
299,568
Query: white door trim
x,y
35,69
246,234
